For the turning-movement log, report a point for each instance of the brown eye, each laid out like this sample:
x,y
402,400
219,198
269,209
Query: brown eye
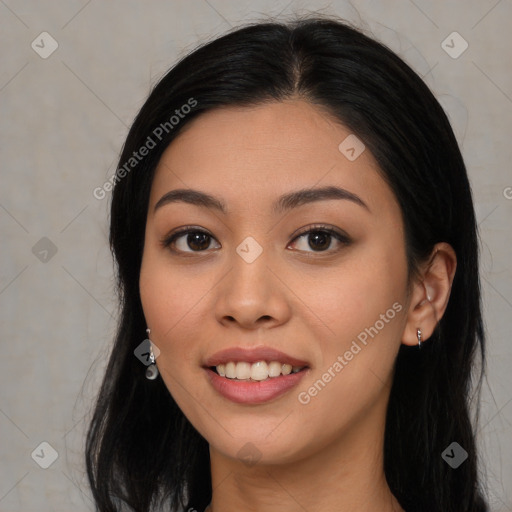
x,y
198,241
189,240
320,239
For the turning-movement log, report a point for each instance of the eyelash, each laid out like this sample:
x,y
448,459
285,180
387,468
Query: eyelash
x,y
343,239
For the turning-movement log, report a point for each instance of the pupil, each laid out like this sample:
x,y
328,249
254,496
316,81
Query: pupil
x,y
198,241
322,238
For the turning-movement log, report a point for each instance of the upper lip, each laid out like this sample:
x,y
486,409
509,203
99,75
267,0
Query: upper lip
x,y
252,355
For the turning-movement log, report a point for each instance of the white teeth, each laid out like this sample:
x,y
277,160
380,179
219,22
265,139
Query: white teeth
x,y
257,371
231,370
274,369
243,371
287,369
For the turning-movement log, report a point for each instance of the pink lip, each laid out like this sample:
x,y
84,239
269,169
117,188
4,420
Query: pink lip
x,y
253,355
252,392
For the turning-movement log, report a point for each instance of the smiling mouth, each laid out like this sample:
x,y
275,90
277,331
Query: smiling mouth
x,y
255,372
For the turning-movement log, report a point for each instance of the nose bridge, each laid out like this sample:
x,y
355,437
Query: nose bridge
x,y
250,275
250,290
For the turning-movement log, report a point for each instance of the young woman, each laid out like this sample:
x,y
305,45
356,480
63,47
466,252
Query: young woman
x,y
293,226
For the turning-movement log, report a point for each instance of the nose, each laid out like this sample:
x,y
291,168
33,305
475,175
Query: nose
x,y
251,295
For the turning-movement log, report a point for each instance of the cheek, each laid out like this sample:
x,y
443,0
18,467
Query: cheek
x,y
170,301
351,296
362,308
172,307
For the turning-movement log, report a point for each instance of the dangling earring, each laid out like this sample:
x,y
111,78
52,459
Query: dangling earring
x,y
418,332
151,370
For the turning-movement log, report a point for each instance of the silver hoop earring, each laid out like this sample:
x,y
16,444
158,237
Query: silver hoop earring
x,y
418,332
151,370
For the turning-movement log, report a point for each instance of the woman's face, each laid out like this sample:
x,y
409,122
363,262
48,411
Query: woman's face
x,y
250,277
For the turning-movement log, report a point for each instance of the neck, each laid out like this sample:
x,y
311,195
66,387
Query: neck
x,y
346,475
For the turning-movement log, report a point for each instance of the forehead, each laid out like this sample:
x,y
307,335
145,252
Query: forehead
x,y
291,129
249,154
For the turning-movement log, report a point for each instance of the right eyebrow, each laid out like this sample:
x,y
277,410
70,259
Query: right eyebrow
x,y
193,197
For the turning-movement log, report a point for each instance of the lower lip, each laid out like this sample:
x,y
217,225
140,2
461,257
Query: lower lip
x,y
252,392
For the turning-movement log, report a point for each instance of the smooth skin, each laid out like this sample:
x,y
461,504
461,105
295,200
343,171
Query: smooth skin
x,y
306,295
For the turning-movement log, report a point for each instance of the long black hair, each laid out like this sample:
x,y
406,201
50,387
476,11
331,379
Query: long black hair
x,y
141,451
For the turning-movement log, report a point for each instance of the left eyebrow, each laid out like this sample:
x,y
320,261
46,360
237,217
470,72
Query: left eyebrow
x,y
282,204
310,195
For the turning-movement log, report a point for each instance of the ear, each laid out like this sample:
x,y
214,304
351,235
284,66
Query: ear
x,y
430,294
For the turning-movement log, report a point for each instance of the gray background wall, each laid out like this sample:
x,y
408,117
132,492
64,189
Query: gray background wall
x,y
63,121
